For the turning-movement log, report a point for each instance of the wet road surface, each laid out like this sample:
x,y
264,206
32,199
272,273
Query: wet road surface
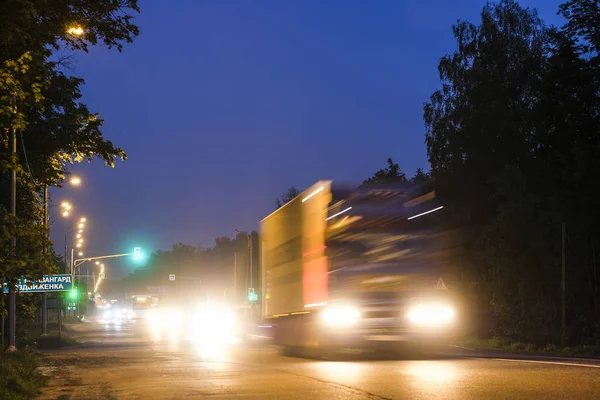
x,y
121,362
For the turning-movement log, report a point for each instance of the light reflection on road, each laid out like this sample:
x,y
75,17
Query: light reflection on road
x,y
433,371
334,370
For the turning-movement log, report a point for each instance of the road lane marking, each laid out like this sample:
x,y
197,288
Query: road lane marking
x,y
567,364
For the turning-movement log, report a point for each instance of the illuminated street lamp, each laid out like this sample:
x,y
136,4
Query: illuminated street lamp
x,y
78,235
75,30
75,181
81,225
65,213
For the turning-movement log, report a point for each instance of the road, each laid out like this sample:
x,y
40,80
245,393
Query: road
x,y
120,362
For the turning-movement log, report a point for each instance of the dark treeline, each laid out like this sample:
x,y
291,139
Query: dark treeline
x,y
218,272
513,141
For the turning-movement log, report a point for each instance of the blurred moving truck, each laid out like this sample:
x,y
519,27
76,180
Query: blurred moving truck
x,y
346,267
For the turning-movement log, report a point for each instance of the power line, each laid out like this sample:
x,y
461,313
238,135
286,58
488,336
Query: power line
x,y
26,159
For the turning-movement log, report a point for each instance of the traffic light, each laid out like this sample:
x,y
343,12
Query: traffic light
x,y
137,253
73,293
252,296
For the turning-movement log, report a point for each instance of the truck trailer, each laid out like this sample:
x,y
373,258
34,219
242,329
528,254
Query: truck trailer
x,y
347,267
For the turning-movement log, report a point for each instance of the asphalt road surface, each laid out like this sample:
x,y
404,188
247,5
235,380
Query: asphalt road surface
x,y
121,362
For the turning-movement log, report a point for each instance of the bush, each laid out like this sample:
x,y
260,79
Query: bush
x,y
19,378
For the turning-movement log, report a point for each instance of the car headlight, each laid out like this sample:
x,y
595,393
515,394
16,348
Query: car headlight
x,y
432,314
173,318
340,315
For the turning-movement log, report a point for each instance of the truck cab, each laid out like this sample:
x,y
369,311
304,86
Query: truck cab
x,y
357,267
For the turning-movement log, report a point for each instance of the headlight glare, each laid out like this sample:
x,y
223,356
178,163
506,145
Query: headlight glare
x,y
434,314
340,315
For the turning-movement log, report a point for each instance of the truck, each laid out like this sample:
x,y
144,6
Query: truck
x,y
346,267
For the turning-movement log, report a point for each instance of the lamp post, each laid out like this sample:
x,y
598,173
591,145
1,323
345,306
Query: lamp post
x,y
65,213
12,309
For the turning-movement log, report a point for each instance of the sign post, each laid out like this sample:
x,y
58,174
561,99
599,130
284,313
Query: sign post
x,y
48,283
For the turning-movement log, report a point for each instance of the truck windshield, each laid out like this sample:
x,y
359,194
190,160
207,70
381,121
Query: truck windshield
x,y
379,233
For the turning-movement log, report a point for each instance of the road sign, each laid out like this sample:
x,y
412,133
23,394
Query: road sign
x,y
171,277
48,283
441,285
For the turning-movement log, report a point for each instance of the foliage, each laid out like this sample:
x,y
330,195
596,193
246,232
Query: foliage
x,y
512,138
42,105
286,197
64,131
390,175
43,25
19,377
393,175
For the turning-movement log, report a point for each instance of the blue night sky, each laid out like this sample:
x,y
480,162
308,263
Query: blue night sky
x,y
223,105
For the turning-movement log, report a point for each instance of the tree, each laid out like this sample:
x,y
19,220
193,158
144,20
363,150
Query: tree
x,y
286,197
390,175
43,106
513,141
42,26
420,177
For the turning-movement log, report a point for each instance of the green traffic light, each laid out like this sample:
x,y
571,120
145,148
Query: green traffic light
x,y
137,253
73,293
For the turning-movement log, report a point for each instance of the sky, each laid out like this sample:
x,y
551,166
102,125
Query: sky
x,y
222,105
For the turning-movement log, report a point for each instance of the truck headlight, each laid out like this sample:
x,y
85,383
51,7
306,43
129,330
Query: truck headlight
x,y
340,315
432,314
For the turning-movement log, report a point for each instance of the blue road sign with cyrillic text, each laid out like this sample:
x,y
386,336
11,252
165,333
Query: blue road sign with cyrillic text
x,y
48,283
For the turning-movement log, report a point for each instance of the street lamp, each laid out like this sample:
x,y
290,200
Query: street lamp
x,y
75,30
75,181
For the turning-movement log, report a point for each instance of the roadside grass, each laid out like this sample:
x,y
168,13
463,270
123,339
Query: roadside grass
x,y
33,338
19,376
501,343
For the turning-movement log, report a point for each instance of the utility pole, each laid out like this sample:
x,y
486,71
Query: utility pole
x,y
250,247
44,294
12,307
563,286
